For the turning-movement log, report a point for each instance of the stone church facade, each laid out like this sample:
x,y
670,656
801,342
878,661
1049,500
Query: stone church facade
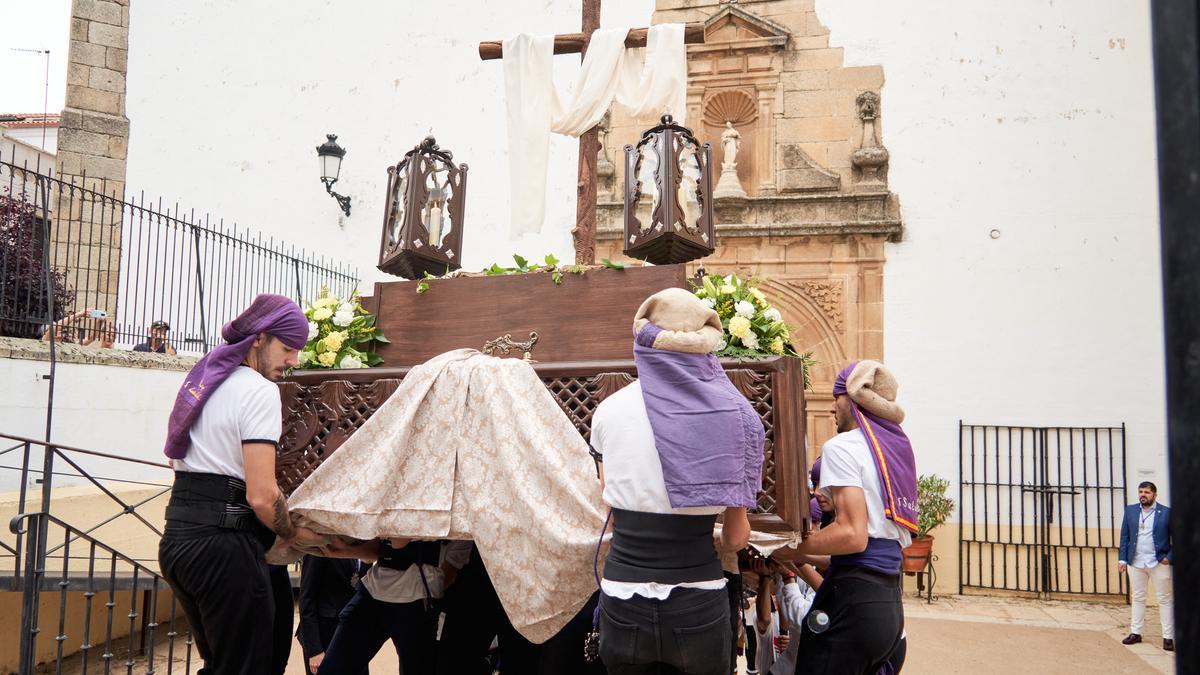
x,y
817,210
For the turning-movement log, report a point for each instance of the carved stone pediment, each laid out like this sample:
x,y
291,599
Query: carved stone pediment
x,y
735,29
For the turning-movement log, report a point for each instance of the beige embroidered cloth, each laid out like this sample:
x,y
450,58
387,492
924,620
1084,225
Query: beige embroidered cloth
x,y
473,447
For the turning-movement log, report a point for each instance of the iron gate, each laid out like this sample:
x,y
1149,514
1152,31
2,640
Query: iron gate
x,y
1040,509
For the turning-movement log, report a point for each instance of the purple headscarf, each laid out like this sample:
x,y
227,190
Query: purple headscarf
x,y
893,455
269,313
814,507
709,439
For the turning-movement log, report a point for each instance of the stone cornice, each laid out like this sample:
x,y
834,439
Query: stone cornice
x,y
846,213
37,350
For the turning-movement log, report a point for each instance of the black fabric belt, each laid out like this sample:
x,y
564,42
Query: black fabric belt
x,y
213,499
864,574
423,552
666,548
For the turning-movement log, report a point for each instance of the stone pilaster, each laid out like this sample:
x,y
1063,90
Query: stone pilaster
x,y
93,140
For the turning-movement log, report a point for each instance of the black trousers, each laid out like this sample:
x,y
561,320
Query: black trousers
x,y
751,648
688,633
866,621
366,624
474,616
220,579
284,617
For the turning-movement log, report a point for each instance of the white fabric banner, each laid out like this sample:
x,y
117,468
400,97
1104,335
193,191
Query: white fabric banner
x,y
641,82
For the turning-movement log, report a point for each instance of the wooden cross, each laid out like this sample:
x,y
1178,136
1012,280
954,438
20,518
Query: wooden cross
x,y
584,232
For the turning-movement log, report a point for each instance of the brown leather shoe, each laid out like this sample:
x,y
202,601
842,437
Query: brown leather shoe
x,y
1131,639
1168,645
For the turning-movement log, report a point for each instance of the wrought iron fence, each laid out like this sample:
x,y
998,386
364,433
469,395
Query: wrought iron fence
x,y
111,607
67,247
1040,509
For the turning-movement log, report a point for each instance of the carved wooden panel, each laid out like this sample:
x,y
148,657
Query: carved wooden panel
x,y
320,413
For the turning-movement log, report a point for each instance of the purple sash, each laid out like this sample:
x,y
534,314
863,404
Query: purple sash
x,y
269,313
894,460
709,439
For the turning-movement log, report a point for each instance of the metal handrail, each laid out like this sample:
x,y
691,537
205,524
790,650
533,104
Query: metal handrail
x,y
144,580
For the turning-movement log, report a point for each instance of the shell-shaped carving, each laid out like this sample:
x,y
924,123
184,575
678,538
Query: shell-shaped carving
x,y
730,106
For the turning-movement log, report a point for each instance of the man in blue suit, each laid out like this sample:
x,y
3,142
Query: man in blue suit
x,y
1146,554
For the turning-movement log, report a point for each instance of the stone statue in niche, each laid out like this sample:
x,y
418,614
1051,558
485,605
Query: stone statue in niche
x,y
728,186
605,169
870,157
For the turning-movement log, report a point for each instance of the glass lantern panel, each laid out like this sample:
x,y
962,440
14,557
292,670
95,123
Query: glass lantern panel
x,y
648,177
434,215
330,167
689,185
399,194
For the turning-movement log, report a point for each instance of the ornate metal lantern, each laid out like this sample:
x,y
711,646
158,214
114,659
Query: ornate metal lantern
x,y
668,196
423,217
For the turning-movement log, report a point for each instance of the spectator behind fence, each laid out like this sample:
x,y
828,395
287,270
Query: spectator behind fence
x,y
76,328
156,340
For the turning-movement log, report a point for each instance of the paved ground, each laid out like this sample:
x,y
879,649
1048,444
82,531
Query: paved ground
x,y
955,634
975,634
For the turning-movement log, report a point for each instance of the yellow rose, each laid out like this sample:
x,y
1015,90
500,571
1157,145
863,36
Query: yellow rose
x,y
322,314
728,289
334,340
739,326
326,301
327,359
777,346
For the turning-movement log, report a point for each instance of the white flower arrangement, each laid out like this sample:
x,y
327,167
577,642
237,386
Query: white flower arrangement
x,y
338,332
752,326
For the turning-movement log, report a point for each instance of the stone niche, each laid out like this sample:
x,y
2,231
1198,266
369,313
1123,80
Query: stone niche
x,y
812,164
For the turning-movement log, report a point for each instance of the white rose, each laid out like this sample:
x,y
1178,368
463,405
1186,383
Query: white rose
x,y
345,308
350,361
343,319
744,308
773,315
313,329
302,358
710,303
750,341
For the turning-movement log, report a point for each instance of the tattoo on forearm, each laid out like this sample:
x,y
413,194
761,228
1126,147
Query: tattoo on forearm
x,y
281,522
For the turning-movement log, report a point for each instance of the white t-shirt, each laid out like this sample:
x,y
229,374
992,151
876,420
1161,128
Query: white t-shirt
x,y
244,408
391,585
794,601
633,477
847,462
1145,555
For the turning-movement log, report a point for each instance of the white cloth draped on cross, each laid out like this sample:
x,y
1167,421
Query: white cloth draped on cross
x,y
642,82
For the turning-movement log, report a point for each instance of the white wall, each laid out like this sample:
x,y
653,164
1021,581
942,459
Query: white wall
x,y
112,409
1035,119
228,100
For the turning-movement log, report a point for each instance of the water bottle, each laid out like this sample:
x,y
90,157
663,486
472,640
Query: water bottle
x,y
818,621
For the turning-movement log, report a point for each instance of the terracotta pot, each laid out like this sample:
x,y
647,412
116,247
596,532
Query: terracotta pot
x,y
916,555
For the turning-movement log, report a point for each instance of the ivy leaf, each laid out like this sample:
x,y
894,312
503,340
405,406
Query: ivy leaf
x,y
522,264
422,287
557,275
612,265
496,270
551,260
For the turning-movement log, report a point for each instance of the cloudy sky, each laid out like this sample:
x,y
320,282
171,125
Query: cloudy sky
x,y
39,26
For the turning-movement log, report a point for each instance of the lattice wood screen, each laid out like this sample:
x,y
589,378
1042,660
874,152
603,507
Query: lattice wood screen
x,y
321,413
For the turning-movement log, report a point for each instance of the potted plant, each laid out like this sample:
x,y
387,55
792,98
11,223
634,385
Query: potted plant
x,y
933,508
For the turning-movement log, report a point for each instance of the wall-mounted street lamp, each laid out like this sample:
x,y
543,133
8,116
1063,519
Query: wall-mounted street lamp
x,y
330,154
